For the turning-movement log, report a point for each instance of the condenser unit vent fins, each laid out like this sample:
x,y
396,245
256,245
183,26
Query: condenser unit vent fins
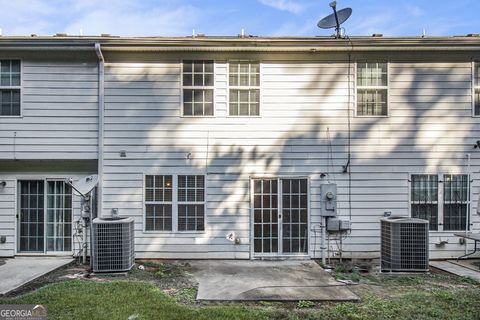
x,y
113,245
404,244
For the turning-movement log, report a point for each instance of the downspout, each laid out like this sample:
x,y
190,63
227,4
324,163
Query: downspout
x,y
101,123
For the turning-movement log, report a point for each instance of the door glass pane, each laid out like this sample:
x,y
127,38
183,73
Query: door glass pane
x,y
265,216
59,216
295,215
31,228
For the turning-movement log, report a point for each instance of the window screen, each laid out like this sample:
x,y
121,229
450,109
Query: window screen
x,y
158,202
244,82
10,87
198,84
191,202
372,89
455,201
424,198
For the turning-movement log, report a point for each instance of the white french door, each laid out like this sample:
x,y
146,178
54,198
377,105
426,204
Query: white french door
x,y
280,216
44,216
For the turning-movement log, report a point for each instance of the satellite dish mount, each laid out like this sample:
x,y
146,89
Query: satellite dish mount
x,y
335,20
85,189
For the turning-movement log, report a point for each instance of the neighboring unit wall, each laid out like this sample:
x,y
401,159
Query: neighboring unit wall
x,y
59,112
302,131
11,173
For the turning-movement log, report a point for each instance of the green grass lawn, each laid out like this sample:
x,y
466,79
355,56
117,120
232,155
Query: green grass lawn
x,y
80,299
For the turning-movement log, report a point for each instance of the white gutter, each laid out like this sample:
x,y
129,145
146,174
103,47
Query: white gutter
x,y
295,49
101,123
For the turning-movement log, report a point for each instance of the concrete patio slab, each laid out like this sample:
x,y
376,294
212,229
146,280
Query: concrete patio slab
x,y
17,272
267,280
454,268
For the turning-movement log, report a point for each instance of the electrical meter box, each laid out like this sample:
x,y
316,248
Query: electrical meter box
x,y
328,193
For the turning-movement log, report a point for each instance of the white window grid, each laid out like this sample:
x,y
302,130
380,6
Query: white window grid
x,y
159,195
202,95
11,89
175,203
377,88
441,202
238,90
192,201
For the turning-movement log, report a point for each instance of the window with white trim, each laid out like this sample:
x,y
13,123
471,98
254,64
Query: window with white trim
x,y
174,203
191,203
244,83
158,203
198,84
445,207
476,92
10,86
372,89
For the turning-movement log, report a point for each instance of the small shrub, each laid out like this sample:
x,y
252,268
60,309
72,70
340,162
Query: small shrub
x,y
304,304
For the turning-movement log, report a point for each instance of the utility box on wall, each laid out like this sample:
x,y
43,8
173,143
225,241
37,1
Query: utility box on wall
x,y
328,194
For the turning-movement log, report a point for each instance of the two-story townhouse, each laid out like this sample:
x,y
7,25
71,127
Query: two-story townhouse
x,y
200,138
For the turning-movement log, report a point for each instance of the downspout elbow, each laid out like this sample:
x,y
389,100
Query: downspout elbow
x,y
98,51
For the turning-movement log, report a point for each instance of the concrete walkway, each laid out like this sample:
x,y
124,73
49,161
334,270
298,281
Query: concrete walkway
x,y
17,272
459,268
267,280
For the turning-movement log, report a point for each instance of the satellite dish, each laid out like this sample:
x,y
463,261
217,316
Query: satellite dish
x,y
335,19
84,185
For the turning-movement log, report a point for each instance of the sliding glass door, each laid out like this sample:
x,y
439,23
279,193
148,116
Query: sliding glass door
x,y
39,232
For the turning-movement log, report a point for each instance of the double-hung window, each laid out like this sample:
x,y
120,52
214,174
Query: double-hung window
x,y
372,89
244,83
444,203
198,84
175,203
191,203
10,87
158,203
476,90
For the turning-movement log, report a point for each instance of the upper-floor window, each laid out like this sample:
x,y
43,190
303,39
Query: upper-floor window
x,y
476,84
446,208
198,84
244,83
10,87
372,89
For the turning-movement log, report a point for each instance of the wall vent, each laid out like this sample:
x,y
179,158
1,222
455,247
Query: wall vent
x,y
113,247
404,244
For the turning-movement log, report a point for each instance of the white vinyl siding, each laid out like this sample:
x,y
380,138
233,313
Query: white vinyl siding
x,y
59,113
198,80
303,127
244,84
372,89
10,88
